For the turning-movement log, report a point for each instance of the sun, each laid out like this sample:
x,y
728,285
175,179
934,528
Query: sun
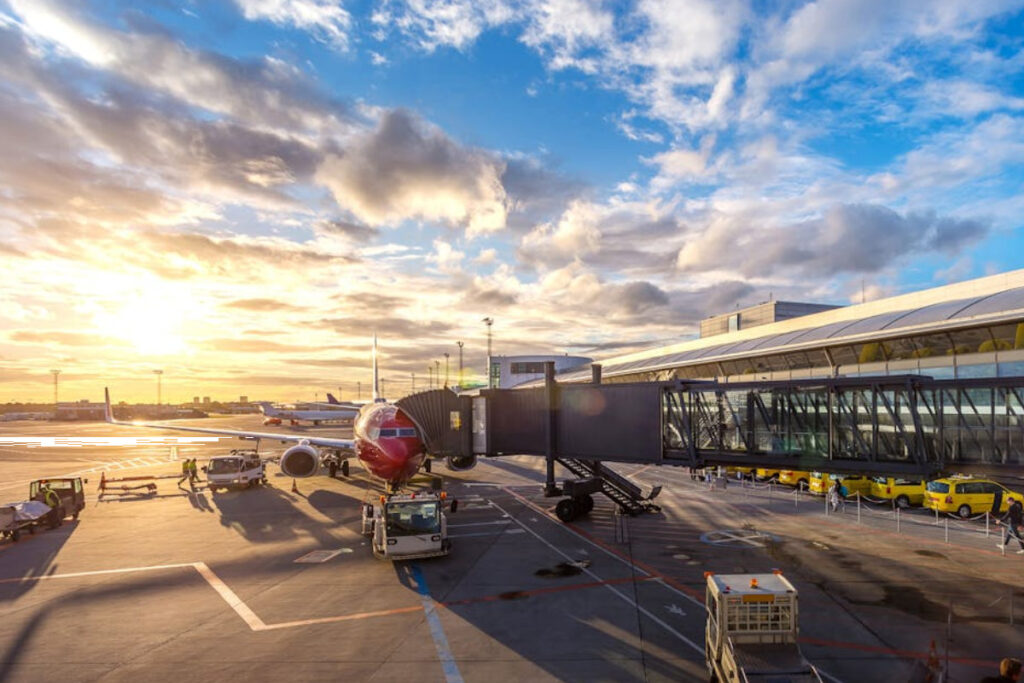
x,y
152,325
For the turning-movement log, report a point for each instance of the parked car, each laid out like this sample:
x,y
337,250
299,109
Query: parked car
x,y
905,492
798,478
968,496
821,482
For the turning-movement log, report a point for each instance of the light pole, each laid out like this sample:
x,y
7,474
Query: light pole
x,y
359,391
460,345
445,370
55,373
490,381
339,393
437,372
430,377
159,376
413,382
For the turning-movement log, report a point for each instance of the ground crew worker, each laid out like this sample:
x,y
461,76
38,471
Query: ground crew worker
x,y
185,471
193,472
50,496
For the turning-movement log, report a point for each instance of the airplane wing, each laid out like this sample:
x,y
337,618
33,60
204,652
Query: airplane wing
x,y
326,442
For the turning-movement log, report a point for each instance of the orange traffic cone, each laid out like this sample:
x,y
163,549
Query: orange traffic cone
x,y
934,668
295,489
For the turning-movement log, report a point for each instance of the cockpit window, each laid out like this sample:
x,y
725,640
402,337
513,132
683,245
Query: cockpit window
x,y
387,431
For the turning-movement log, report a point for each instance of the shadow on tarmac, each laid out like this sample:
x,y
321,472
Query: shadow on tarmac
x,y
34,557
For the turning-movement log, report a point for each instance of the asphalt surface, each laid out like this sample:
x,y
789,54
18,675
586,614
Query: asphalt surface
x,y
148,586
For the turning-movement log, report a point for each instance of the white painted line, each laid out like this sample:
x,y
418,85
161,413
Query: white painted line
x,y
613,589
319,556
99,572
234,602
500,521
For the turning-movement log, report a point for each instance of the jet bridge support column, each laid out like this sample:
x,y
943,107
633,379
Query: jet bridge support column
x,y
550,487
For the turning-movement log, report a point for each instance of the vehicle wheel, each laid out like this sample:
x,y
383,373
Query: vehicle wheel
x,y
902,502
964,511
332,469
566,510
74,516
801,484
426,465
586,504
344,468
15,535
32,529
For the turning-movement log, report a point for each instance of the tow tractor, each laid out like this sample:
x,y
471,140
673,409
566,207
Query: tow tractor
x,y
28,514
408,526
242,468
752,630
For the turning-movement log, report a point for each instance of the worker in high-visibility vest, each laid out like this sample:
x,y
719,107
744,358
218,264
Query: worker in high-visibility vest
x,y
50,496
185,471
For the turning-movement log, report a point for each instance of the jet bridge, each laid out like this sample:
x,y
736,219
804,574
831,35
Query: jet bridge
x,y
909,425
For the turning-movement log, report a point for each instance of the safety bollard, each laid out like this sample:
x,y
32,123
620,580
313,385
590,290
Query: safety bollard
x,y
947,529
897,520
936,516
858,507
826,505
986,523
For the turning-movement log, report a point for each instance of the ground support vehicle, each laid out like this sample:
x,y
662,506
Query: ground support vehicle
x,y
16,518
69,489
751,632
408,526
242,468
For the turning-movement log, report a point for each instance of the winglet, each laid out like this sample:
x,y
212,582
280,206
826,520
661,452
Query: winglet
x,y
108,412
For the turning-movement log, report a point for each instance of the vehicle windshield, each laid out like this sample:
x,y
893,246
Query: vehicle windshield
x,y
224,466
412,518
880,480
938,487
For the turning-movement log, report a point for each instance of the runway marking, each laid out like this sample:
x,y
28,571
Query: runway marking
x,y
234,602
735,537
444,653
319,556
500,521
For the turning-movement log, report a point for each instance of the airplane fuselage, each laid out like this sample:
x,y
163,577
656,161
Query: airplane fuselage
x,y
386,443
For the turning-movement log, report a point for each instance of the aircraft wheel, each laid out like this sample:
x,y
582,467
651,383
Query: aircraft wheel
x,y
426,465
566,510
332,469
344,468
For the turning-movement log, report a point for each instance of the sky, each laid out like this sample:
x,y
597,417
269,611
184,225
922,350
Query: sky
x,y
241,193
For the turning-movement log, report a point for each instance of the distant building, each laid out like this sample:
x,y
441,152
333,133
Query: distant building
x,y
80,410
761,314
510,371
195,400
243,399
206,400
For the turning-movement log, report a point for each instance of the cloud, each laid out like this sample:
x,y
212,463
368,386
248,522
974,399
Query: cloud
x,y
408,169
327,20
261,305
846,239
61,338
255,346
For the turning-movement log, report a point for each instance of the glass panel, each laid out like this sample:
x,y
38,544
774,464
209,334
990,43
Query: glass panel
x,y
932,345
1012,369
980,370
870,352
969,341
1009,300
900,349
1007,337
843,355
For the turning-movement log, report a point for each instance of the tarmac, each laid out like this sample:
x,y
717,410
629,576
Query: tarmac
x,y
151,586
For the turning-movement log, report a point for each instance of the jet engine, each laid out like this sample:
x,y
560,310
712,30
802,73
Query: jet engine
x,y
300,461
461,462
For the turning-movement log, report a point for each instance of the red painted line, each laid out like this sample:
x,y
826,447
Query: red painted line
x,y
904,654
614,551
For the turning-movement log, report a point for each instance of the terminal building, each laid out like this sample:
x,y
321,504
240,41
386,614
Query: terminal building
x,y
511,371
964,330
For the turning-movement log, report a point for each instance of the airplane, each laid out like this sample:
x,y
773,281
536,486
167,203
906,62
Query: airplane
x,y
277,415
386,442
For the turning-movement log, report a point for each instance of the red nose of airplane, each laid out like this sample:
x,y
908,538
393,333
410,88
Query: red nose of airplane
x,y
387,444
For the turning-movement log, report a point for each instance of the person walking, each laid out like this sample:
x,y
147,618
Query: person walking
x,y
193,472
833,495
1013,519
185,471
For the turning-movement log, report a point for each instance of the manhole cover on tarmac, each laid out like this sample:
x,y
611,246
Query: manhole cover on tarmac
x,y
737,538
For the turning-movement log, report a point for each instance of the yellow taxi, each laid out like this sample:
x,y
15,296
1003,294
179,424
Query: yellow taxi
x,y
764,475
904,492
745,472
853,483
967,495
795,478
